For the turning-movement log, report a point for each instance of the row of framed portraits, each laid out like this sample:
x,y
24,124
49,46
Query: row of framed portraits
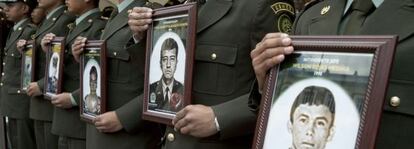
x,y
327,94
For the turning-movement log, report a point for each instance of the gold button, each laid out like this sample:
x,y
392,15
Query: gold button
x,y
18,91
395,101
214,56
115,53
170,137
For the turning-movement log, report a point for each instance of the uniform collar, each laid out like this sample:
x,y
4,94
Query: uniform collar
x,y
377,3
18,24
124,4
54,11
84,15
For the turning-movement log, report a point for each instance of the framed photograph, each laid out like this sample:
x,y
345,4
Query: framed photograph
x,y
328,94
93,80
28,65
54,70
169,62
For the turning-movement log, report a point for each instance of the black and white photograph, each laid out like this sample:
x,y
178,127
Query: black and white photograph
x,y
54,64
28,60
169,61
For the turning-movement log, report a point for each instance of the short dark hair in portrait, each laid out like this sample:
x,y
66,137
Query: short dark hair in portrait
x,y
169,44
314,95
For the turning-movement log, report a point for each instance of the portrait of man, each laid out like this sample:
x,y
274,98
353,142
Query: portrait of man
x,y
27,77
167,93
53,73
92,101
312,118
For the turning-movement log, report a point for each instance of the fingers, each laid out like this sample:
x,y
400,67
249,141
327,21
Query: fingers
x,y
20,45
181,114
139,19
46,40
77,47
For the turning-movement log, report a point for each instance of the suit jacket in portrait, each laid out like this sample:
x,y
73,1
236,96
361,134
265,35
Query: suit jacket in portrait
x,y
396,127
14,103
124,82
66,122
41,108
157,96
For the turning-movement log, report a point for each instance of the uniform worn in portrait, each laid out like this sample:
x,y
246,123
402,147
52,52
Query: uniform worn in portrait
x,y
91,85
169,61
53,72
27,66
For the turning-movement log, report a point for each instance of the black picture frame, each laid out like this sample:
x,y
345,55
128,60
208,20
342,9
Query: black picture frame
x,y
93,61
174,28
28,65
343,78
54,68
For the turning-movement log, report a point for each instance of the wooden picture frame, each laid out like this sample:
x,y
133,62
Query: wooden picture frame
x,y
54,68
93,89
173,29
28,65
332,87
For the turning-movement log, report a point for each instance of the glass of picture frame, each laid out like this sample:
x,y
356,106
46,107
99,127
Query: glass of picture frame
x,y
28,66
54,68
328,94
93,80
169,62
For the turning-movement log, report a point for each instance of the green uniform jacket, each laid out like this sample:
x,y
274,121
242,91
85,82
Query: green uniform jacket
x,y
125,82
40,108
396,127
66,122
227,31
14,103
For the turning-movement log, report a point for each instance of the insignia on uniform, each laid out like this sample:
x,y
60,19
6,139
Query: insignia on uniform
x,y
285,12
325,10
54,19
20,28
33,36
90,20
70,26
153,97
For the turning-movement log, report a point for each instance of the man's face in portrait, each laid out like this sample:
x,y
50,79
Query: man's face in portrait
x,y
168,63
311,126
93,82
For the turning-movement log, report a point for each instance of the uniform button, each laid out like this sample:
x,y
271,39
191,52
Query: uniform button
x,y
214,56
2,74
395,101
4,64
18,91
12,54
1,84
115,53
170,137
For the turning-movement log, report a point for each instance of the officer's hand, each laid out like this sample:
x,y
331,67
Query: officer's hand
x,y
62,101
195,120
33,89
20,45
77,47
108,122
268,53
139,20
46,41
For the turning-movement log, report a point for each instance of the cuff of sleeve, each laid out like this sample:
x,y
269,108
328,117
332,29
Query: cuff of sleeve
x,y
217,124
130,115
73,101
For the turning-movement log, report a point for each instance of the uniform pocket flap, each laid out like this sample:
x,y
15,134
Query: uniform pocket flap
x,y
122,55
402,93
14,91
224,54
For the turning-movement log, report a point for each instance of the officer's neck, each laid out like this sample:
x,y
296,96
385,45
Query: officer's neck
x,y
53,7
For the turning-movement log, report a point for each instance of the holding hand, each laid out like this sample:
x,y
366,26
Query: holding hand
x,y
268,53
77,47
62,101
195,120
139,20
20,45
33,89
46,41
108,122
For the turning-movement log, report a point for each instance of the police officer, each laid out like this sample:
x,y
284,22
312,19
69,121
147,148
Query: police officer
x,y
119,128
66,121
41,109
222,74
334,17
15,104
